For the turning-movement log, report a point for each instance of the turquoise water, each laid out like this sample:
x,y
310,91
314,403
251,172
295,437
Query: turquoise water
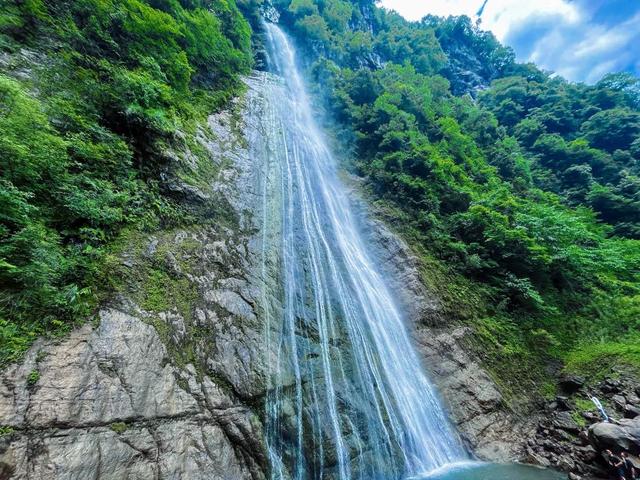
x,y
486,471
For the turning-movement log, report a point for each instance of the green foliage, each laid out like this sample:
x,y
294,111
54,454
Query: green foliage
x,y
596,359
584,405
303,8
579,140
33,377
6,431
86,134
314,27
531,192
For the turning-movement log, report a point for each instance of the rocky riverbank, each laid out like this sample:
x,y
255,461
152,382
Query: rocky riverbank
x,y
571,435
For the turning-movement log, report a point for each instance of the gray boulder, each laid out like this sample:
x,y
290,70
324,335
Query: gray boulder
x,y
622,435
571,383
564,421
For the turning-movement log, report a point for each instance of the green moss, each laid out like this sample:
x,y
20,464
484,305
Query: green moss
x,y
204,172
584,405
595,360
183,384
162,292
119,427
579,419
549,389
6,431
154,284
33,377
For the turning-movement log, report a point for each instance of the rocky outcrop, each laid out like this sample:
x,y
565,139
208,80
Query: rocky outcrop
x,y
107,403
490,430
571,434
619,436
487,426
168,381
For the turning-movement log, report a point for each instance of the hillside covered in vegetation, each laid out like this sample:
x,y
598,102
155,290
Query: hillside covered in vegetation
x,y
519,190
93,93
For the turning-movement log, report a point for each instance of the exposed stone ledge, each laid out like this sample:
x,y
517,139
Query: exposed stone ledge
x,y
108,404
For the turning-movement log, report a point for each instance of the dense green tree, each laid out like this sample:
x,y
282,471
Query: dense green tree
x,y
84,135
529,190
613,129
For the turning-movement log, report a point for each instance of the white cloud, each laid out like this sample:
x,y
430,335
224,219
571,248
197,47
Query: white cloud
x,y
498,15
560,35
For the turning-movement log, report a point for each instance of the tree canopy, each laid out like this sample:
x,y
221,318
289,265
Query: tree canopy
x,y
94,94
509,176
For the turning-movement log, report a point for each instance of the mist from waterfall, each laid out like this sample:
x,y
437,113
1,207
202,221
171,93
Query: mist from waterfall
x,y
348,398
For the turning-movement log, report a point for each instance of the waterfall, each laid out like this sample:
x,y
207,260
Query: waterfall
x,y
348,398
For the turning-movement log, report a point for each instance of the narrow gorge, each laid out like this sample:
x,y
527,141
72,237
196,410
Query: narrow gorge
x,y
308,240
344,391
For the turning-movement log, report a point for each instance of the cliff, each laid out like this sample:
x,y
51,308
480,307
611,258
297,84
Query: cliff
x,y
168,381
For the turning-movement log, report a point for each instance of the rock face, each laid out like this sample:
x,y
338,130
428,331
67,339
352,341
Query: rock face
x,y
108,405
168,381
490,431
476,404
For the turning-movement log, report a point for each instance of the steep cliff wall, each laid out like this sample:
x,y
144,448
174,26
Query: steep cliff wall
x,y
169,380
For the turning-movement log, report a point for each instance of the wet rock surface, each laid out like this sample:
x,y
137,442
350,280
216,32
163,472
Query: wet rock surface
x,y
622,435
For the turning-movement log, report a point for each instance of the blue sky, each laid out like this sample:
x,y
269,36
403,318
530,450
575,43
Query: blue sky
x,y
579,39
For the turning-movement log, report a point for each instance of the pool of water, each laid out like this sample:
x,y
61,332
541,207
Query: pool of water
x,y
487,471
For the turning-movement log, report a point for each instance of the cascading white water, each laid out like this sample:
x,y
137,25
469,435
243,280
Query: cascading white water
x,y
348,396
